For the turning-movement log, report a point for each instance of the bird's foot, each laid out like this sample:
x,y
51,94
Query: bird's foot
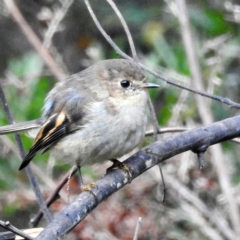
x,y
88,187
120,165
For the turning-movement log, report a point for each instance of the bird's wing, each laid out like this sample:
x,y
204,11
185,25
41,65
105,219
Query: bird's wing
x,y
66,111
56,127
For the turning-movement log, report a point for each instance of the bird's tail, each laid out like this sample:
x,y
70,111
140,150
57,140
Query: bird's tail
x,y
22,126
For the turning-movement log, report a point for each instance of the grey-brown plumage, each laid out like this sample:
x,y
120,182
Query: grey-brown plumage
x,y
95,115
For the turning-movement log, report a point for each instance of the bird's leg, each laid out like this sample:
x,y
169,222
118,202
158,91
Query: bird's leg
x,y
68,183
80,179
85,187
120,165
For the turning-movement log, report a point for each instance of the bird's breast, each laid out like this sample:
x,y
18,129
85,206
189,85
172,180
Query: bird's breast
x,y
107,133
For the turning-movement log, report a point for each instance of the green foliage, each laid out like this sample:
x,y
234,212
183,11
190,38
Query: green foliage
x,y
6,171
39,89
209,21
9,209
166,111
25,104
29,64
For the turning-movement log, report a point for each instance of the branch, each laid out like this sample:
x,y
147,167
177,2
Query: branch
x,y
126,29
55,195
34,40
226,101
11,235
206,114
139,163
29,171
54,24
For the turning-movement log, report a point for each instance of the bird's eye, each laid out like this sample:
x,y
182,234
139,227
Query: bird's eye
x,y
125,83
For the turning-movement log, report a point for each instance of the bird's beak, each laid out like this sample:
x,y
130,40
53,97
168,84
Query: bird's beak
x,y
150,85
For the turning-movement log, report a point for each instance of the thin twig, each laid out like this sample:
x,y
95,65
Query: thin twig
x,y
167,130
34,40
190,214
29,172
139,221
179,129
49,202
154,73
7,225
126,29
57,18
206,113
191,197
226,101
55,195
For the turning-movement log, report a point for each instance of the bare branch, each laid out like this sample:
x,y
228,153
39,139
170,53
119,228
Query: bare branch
x,y
139,162
54,196
167,130
34,40
217,219
29,172
139,221
206,113
126,29
7,225
154,73
57,18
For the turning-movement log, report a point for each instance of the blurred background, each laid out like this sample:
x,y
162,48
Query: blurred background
x,y
200,204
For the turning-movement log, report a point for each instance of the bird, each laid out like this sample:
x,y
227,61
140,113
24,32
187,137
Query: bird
x,y
95,115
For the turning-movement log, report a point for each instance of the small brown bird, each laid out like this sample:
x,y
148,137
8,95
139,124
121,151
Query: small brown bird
x,y
97,114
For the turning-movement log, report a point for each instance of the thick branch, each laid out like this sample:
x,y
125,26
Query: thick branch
x,y
139,163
